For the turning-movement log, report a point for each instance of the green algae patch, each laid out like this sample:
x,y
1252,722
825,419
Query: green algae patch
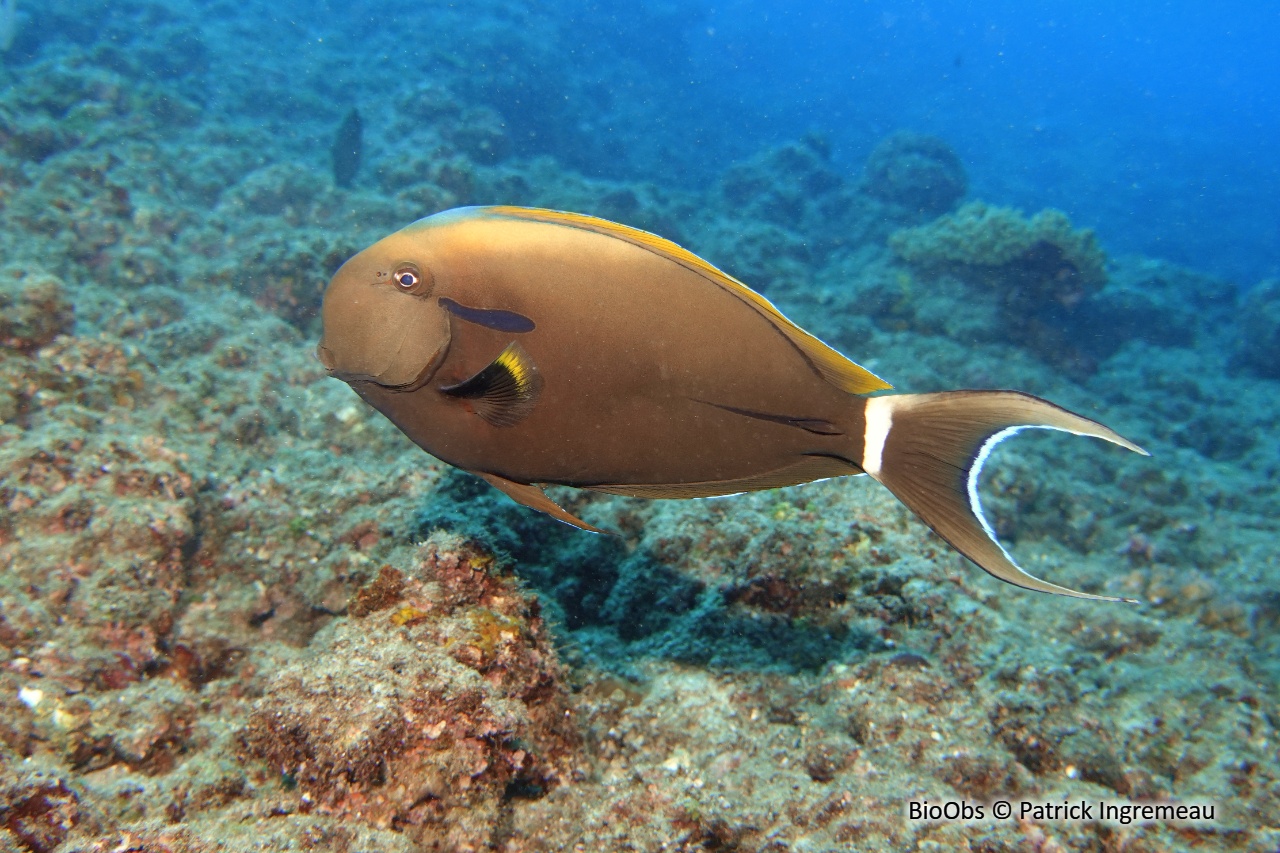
x,y
1000,244
34,309
1035,277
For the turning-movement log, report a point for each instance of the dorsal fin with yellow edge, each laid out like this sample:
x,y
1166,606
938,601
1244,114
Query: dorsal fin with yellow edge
x,y
831,365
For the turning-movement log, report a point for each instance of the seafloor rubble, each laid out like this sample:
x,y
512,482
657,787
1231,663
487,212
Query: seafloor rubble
x,y
241,612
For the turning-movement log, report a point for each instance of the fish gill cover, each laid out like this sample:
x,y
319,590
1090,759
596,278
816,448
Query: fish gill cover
x,y
240,611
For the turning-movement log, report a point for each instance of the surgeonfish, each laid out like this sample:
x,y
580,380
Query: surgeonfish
x,y
534,347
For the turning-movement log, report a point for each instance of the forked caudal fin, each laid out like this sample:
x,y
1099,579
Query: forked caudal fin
x,y
928,449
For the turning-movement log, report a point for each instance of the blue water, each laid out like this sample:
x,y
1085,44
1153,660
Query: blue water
x,y
1157,123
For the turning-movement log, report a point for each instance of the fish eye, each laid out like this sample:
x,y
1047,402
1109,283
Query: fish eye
x,y
407,277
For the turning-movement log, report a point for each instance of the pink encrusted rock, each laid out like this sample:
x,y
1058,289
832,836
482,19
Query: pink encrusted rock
x,y
426,711
34,309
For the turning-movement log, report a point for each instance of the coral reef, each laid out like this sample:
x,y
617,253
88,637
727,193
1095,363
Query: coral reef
x,y
1258,347
917,175
780,184
789,212
33,309
1038,270
1161,303
1032,261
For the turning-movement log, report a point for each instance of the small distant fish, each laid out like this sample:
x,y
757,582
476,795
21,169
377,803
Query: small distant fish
x,y
535,347
348,149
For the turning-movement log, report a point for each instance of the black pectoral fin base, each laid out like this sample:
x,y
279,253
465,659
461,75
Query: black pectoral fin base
x,y
504,393
490,318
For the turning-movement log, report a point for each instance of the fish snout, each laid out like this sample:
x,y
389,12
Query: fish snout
x,y
375,331
394,360
329,359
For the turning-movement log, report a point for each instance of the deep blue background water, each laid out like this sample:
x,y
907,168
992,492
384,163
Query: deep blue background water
x,y
1157,123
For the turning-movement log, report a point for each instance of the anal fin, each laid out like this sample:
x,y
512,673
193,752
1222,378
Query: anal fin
x,y
534,498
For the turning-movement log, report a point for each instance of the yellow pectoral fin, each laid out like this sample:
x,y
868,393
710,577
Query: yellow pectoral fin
x,y
831,365
505,391
534,498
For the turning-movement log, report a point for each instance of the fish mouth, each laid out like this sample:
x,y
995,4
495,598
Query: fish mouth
x,y
330,363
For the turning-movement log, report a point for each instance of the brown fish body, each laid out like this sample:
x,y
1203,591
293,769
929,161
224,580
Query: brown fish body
x,y
534,347
642,362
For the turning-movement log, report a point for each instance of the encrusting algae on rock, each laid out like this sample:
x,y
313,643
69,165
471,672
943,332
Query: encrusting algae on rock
x,y
438,701
1000,246
1039,271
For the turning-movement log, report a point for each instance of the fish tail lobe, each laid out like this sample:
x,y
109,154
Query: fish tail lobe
x,y
928,449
